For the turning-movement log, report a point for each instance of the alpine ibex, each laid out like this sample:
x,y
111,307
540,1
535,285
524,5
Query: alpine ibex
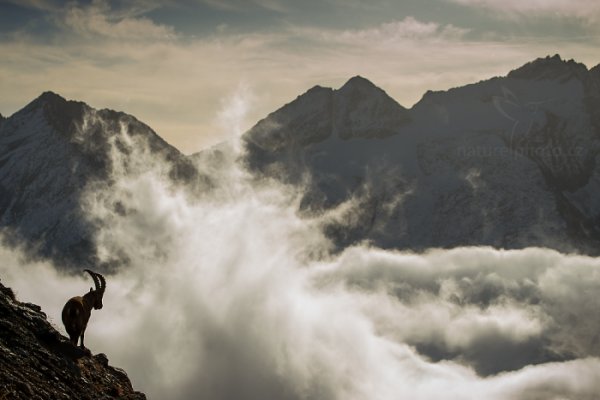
x,y
76,313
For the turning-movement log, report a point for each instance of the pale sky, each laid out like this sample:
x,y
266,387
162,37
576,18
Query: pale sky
x,y
199,71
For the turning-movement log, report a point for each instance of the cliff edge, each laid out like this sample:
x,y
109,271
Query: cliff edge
x,y
37,362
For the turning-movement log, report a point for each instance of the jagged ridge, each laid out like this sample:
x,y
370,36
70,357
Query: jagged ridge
x,y
510,162
359,109
550,68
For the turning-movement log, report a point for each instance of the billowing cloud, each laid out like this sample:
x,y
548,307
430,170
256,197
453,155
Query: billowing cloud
x,y
230,294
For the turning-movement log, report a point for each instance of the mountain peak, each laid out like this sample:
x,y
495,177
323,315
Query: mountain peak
x,y
358,82
58,111
359,87
47,98
315,90
51,96
550,67
364,110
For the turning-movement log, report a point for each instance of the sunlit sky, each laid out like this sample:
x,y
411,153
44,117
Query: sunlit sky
x,y
198,71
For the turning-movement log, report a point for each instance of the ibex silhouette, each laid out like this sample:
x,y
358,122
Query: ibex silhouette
x,y
76,312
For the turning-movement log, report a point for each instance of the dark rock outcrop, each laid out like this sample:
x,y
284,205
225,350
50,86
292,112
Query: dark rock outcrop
x,y
38,363
550,68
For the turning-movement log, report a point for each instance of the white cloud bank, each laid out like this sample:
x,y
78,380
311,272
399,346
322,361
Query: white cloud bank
x,y
231,295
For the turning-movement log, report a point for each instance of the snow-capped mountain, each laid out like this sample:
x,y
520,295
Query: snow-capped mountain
x,y
511,162
49,152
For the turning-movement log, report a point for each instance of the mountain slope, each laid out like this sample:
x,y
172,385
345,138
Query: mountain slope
x,y
50,151
510,162
36,362
357,110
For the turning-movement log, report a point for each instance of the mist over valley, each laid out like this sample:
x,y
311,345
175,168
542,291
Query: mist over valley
x,y
345,247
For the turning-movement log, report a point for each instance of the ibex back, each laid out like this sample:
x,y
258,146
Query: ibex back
x,y
76,313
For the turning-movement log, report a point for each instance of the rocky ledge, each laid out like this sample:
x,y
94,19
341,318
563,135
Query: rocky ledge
x,y
37,362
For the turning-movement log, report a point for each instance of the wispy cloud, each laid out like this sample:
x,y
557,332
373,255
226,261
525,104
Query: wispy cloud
x,y
241,5
98,19
407,28
44,5
584,9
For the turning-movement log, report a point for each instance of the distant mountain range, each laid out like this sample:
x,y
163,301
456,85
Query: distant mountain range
x,y
510,162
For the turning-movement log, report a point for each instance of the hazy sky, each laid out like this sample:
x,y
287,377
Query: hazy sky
x,y
183,66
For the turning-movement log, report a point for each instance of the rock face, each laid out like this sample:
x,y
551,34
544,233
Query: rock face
x,y
36,362
50,151
509,162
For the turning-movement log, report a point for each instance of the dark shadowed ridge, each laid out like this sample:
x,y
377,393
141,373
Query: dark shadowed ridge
x,y
306,120
550,68
48,156
37,362
359,109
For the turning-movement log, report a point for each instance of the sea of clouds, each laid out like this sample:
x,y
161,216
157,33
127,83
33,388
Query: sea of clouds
x,y
230,294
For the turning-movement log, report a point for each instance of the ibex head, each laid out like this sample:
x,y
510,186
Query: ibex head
x,y
76,313
100,284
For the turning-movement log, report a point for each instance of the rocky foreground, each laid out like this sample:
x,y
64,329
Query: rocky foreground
x,y
37,362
